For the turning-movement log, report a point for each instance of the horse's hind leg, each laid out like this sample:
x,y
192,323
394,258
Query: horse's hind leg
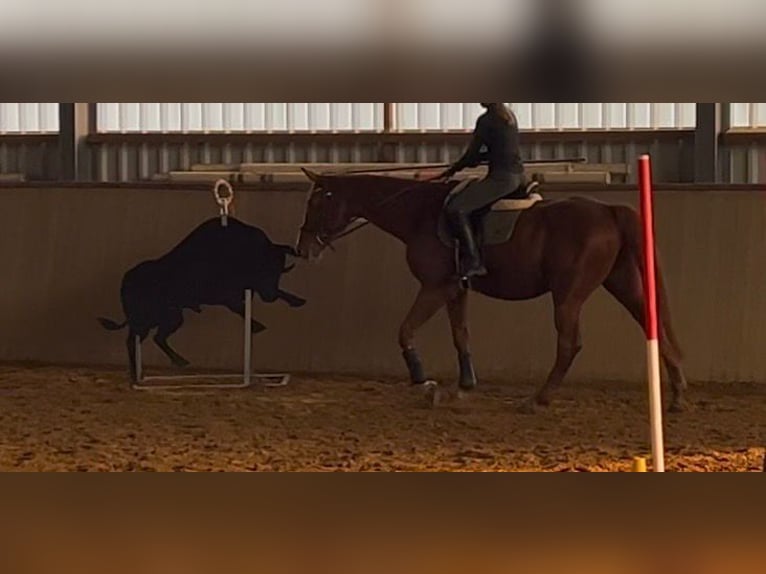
x,y
626,285
427,303
678,382
567,317
170,323
569,295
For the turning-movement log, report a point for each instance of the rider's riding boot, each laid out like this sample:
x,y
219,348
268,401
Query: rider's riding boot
x,y
470,259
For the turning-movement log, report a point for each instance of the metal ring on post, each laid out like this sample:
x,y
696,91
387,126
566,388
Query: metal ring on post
x,y
223,201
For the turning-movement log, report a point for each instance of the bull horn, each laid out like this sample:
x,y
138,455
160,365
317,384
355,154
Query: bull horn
x,y
288,268
289,250
313,176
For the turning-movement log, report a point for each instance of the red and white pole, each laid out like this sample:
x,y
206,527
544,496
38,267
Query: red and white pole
x,y
652,321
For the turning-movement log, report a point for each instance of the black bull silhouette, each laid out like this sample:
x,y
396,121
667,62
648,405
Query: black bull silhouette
x,y
213,266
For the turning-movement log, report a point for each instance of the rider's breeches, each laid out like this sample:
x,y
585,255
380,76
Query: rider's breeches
x,y
482,194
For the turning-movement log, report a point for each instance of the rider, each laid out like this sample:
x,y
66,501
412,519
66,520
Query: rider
x,y
495,141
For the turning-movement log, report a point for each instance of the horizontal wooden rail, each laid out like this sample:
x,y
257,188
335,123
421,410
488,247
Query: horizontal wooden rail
x,y
12,178
744,136
405,137
28,139
553,172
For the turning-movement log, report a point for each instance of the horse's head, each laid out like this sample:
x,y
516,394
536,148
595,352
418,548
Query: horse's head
x,y
328,214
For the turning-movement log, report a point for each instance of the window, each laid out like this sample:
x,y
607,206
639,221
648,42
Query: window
x,y
551,116
29,118
748,115
239,117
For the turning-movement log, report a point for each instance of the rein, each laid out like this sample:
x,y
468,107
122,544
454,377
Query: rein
x,y
350,229
383,203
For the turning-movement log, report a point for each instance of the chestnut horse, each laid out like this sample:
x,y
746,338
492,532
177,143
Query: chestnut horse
x,y
568,248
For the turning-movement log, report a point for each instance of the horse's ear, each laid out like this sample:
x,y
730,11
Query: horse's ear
x,y
314,177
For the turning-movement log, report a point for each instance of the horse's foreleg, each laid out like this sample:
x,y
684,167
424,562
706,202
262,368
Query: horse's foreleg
x,y
426,305
458,316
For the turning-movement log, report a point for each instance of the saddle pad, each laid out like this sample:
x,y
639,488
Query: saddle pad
x,y
497,226
516,204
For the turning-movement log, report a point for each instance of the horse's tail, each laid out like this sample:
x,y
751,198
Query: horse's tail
x,y
110,325
629,222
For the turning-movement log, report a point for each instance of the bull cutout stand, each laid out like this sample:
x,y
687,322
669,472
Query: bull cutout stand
x,y
247,376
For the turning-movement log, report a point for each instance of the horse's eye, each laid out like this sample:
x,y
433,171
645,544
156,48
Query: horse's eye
x,y
328,195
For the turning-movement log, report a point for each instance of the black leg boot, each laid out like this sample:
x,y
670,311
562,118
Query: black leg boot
x,y
470,259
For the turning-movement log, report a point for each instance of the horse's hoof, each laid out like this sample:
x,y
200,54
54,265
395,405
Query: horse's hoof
x,y
432,393
181,363
467,381
529,407
298,303
679,406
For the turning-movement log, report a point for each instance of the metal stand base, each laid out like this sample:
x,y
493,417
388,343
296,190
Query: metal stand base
x,y
279,380
247,377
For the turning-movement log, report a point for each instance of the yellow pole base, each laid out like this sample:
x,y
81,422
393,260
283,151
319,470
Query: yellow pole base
x,y
639,464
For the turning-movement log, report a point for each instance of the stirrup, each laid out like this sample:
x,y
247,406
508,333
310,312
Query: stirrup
x,y
478,271
475,269
466,279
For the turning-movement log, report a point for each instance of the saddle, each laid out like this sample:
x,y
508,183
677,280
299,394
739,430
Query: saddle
x,y
495,224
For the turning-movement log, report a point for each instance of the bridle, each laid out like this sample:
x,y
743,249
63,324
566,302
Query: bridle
x,y
322,238
325,239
